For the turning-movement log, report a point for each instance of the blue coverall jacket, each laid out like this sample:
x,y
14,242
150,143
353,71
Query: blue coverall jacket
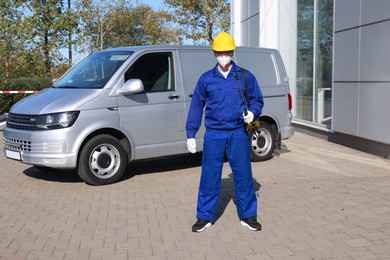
x,y
223,101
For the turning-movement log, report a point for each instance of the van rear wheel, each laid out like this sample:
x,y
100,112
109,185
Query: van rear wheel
x,y
263,142
102,160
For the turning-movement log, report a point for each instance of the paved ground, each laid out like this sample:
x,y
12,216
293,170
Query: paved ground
x,y
317,200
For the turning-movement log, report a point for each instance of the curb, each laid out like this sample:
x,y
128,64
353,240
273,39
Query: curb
x,y
2,119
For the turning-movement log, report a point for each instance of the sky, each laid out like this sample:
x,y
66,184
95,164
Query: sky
x,y
156,4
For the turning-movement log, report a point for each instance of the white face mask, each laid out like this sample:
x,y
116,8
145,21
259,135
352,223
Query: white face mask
x,y
224,60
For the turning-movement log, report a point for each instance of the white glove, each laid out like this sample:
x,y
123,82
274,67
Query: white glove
x,y
191,145
249,117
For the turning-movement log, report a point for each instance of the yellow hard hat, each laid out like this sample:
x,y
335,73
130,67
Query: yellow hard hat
x,y
223,42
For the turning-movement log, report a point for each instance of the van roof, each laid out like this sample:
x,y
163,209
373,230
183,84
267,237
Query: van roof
x,y
177,47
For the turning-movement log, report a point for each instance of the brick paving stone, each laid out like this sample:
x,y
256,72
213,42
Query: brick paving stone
x,y
178,254
363,255
376,235
279,251
380,249
258,257
155,257
358,242
316,200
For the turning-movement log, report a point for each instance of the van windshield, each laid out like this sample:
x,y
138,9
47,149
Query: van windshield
x,y
94,71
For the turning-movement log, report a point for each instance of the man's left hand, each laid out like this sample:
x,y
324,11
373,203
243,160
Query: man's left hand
x,y
248,117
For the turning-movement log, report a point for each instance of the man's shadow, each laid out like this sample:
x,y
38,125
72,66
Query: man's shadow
x,y
227,194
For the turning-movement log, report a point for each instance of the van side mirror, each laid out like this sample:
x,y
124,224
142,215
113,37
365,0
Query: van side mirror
x,y
132,86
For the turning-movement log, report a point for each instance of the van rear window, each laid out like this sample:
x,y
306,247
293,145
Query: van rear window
x,y
263,67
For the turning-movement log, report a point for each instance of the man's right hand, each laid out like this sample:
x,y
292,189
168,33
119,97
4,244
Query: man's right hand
x,y
191,145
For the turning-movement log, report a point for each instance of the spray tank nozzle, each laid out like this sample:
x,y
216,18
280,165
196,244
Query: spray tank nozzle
x,y
242,96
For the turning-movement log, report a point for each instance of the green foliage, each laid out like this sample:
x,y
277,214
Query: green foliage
x,y
47,28
140,25
32,32
106,24
7,100
200,20
10,37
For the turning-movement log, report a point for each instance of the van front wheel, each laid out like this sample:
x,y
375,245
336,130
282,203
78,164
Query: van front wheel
x,y
262,142
102,160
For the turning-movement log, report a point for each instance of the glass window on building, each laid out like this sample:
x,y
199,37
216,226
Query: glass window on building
x,y
314,61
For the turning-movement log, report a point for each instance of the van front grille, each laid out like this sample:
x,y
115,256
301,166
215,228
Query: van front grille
x,y
21,121
17,145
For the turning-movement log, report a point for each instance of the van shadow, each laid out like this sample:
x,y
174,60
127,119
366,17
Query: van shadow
x,y
164,164
53,175
228,194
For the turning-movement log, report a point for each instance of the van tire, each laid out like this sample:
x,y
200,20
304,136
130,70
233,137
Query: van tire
x,y
263,147
102,160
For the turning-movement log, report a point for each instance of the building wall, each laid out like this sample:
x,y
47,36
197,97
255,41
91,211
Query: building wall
x,y
276,29
361,89
361,62
246,23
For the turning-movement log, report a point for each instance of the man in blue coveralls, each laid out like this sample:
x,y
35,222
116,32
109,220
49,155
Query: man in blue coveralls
x,y
226,117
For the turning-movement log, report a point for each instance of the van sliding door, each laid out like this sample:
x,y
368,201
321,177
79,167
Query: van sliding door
x,y
154,118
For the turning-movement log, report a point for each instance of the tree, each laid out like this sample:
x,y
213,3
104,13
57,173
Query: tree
x,y
32,32
139,25
105,24
47,26
200,20
71,23
10,33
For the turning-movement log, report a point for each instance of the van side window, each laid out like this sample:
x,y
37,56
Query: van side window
x,y
155,70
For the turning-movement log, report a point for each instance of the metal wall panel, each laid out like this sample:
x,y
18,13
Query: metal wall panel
x,y
346,56
254,29
361,87
375,11
250,23
374,109
347,14
254,7
244,10
249,8
345,108
245,33
375,54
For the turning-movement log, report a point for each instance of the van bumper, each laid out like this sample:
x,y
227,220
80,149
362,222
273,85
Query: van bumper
x,y
45,148
286,132
65,161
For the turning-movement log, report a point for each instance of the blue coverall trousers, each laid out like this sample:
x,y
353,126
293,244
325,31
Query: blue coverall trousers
x,y
237,146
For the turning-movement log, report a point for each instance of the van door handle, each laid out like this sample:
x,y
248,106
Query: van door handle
x,y
173,96
191,95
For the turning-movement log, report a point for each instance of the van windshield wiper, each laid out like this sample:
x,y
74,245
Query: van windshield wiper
x,y
81,87
65,86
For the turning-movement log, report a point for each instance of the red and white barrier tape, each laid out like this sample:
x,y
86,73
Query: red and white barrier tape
x,y
18,91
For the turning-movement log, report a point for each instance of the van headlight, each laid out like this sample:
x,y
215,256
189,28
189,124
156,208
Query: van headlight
x,y
57,120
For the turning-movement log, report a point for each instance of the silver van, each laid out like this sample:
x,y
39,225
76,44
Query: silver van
x,y
131,103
